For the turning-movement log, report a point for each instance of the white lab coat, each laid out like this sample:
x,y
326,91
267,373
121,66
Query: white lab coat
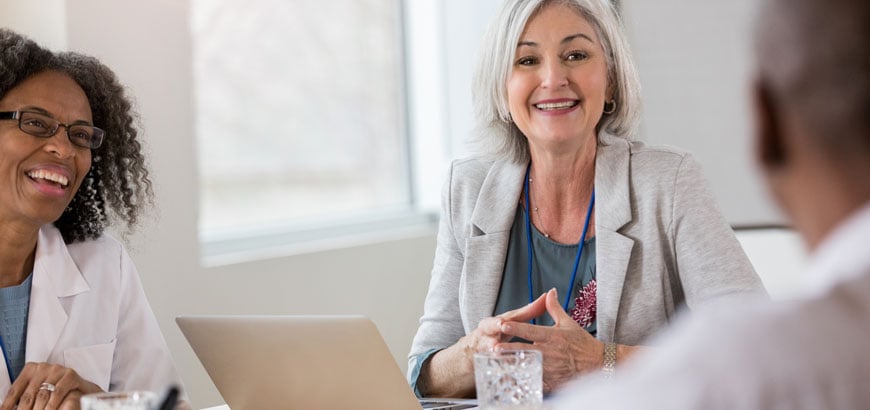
x,y
88,312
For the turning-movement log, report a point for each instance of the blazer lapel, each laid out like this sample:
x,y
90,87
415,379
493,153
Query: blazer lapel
x,y
613,192
55,276
486,247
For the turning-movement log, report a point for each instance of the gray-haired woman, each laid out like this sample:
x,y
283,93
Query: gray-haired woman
x,y
565,222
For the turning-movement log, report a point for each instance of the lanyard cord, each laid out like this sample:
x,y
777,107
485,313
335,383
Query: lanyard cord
x,y
532,253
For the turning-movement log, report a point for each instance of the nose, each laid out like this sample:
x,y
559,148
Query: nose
x,y
60,145
553,74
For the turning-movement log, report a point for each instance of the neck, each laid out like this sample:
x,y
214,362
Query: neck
x,y
17,252
561,190
564,180
827,209
819,195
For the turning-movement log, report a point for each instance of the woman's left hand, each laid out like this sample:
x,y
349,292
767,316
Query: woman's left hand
x,y
568,350
47,386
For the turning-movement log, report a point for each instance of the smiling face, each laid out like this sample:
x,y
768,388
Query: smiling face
x,y
40,176
558,84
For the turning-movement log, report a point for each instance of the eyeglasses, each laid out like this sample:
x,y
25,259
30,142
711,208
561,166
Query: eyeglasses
x,y
43,126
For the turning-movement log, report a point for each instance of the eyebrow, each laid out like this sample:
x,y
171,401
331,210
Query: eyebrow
x,y
45,112
564,40
37,109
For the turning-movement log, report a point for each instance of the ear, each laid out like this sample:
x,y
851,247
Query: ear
x,y
610,93
770,146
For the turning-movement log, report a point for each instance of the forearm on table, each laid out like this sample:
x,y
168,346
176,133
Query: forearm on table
x,y
447,373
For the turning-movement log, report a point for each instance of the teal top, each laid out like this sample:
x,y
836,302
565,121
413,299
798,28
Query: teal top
x,y
552,266
14,307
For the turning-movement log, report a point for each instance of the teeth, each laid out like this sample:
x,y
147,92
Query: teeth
x,y
556,106
49,176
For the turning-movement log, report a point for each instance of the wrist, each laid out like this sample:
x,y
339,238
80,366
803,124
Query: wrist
x,y
464,352
609,359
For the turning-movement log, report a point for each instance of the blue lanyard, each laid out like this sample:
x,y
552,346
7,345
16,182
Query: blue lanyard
x,y
532,253
6,358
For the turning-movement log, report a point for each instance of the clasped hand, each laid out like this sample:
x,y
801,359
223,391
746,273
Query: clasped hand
x,y
567,348
47,386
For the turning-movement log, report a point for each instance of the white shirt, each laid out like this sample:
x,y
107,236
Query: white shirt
x,y
88,312
811,353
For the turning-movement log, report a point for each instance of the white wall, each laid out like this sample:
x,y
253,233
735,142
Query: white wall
x,y
46,19
695,62
464,24
148,45
780,258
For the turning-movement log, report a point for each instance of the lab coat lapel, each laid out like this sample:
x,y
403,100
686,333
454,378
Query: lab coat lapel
x,y
5,383
612,212
55,276
486,247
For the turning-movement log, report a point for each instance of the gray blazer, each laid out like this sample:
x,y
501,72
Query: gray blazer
x,y
661,243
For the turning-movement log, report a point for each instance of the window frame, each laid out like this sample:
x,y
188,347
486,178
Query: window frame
x,y
424,122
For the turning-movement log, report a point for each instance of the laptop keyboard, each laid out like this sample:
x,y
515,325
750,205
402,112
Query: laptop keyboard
x,y
445,405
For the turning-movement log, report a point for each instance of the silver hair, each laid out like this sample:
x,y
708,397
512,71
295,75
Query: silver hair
x,y
813,57
495,134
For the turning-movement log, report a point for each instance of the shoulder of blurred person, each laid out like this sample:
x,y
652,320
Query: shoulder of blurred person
x,y
803,354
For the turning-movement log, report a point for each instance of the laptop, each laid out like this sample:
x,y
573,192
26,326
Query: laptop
x,y
302,362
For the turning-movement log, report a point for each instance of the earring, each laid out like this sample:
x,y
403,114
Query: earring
x,y
610,107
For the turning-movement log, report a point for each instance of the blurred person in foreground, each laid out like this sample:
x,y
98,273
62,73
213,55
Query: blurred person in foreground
x,y
563,198
75,319
811,101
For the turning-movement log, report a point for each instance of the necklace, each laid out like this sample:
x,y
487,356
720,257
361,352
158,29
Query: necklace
x,y
535,209
531,250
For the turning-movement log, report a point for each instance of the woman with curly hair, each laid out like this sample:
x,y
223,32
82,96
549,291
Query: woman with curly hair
x,y
75,319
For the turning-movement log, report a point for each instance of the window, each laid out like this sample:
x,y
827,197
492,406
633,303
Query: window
x,y
301,116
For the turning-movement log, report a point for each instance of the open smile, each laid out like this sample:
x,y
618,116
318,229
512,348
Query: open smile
x,y
48,177
555,106
50,181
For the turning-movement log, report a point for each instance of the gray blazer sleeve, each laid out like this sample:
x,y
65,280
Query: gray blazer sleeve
x,y
441,325
683,253
709,261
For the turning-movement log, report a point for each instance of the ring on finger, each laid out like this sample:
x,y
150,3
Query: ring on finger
x,y
47,386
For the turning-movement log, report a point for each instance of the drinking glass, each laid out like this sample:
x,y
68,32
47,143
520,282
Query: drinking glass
x,y
133,400
509,379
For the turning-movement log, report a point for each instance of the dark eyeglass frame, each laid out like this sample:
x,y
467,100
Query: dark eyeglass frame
x,y
97,136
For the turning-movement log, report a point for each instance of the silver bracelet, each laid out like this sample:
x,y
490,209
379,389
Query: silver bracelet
x,y
609,359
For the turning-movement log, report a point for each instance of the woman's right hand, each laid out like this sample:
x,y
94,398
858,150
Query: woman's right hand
x,y
66,388
488,332
450,372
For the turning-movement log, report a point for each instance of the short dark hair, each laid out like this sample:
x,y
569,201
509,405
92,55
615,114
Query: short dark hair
x,y
814,57
118,181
